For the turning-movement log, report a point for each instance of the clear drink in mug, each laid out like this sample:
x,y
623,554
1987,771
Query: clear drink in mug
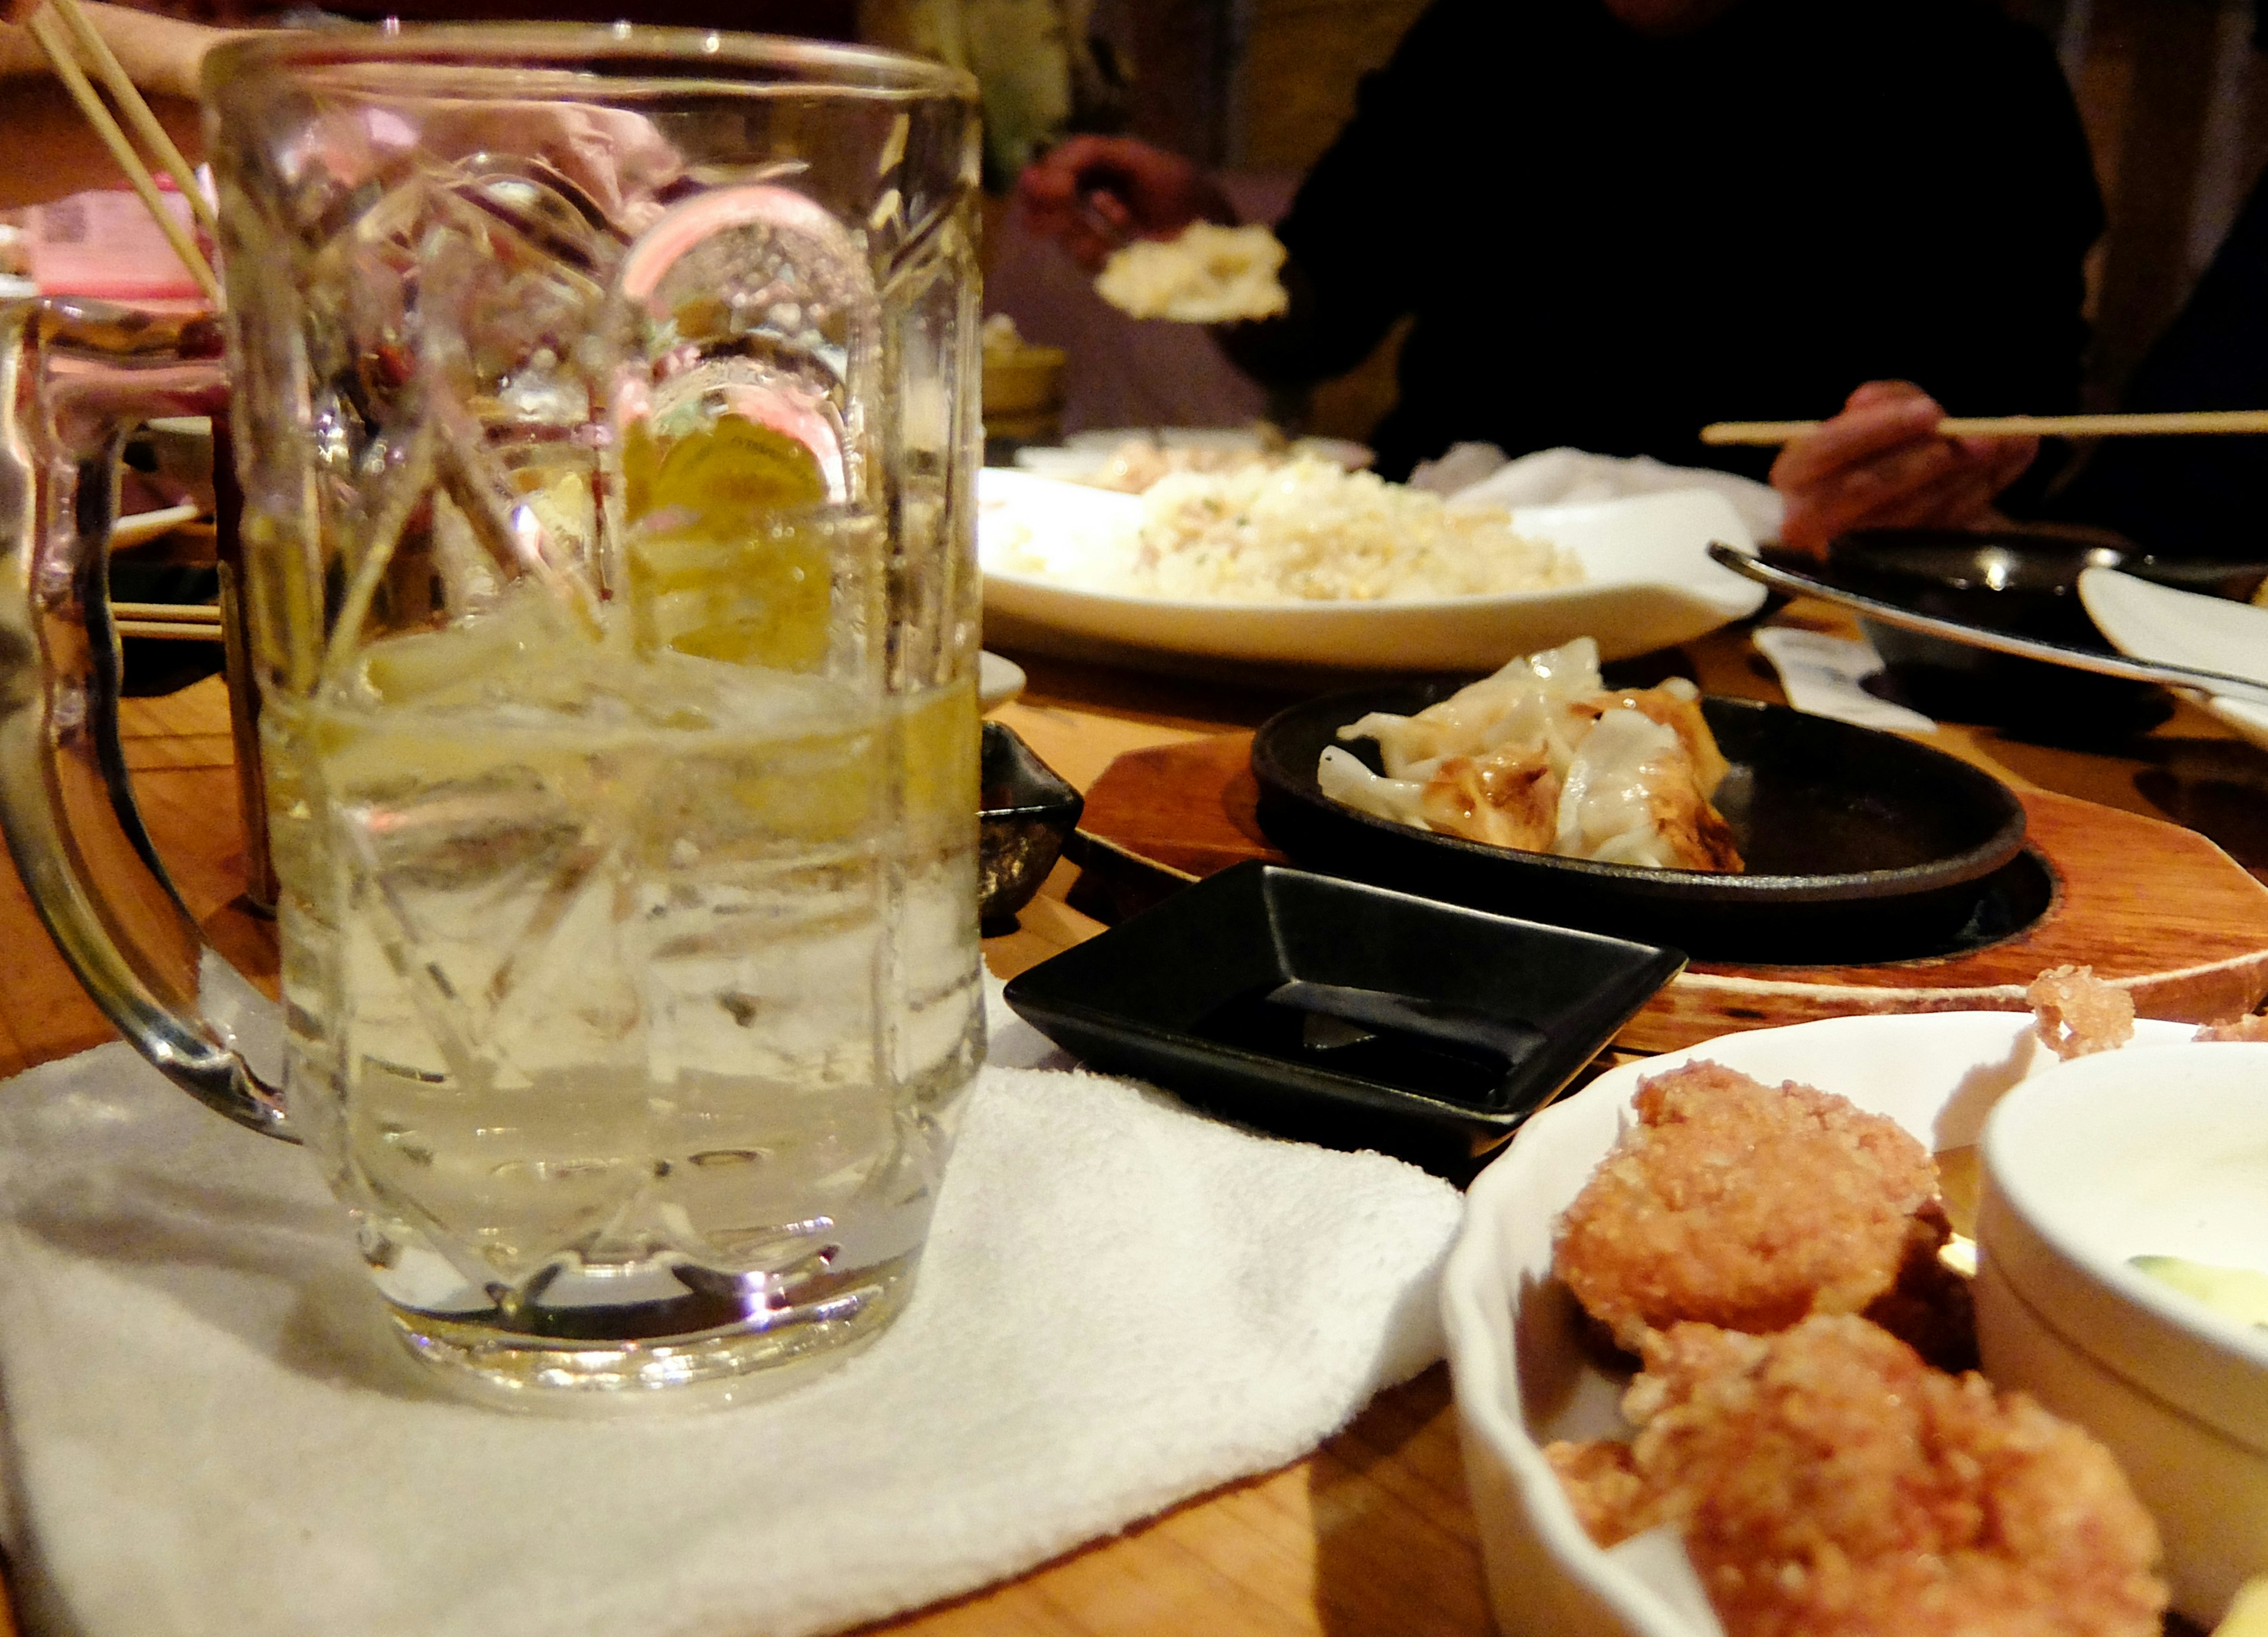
x,y
598,404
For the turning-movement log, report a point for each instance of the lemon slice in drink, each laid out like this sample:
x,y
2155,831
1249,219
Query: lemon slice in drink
x,y
730,545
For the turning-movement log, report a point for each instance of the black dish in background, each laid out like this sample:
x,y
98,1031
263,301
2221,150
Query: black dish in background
x,y
1436,1030
1860,846
1025,813
2022,583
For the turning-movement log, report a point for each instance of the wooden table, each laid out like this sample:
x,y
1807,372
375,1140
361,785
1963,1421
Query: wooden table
x,y
1370,1533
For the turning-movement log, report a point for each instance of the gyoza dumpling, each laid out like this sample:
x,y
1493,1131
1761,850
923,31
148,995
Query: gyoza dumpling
x,y
1632,797
1341,775
1522,705
1540,757
1676,704
1510,799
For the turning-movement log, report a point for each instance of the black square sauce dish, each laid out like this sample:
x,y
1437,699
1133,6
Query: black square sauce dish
x,y
1352,1016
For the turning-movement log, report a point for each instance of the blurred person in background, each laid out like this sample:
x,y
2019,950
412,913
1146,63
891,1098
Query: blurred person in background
x,y
1879,463
1614,221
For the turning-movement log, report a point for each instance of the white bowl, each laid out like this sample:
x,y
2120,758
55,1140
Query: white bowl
x,y
1523,1374
2140,1152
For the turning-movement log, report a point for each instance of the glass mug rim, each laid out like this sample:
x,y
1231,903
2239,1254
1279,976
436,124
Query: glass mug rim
x,y
607,60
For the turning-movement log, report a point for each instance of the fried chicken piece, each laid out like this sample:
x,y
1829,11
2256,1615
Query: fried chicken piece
x,y
1611,1501
2077,1013
2251,1027
1830,1483
1744,1206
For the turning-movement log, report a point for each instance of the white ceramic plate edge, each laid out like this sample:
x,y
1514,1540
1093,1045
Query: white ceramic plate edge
x,y
2251,721
1640,596
2170,626
998,681
1937,1074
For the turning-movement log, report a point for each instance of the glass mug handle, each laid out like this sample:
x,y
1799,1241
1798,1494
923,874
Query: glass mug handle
x,y
65,801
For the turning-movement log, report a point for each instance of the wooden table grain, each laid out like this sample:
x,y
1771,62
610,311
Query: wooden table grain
x,y
1369,1534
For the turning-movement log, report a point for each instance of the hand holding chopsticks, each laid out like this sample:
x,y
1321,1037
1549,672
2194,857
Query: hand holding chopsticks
x,y
1883,463
64,33
1894,459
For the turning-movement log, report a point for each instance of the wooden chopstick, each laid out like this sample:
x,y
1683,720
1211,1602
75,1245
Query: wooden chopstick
x,y
137,528
56,44
2185,422
167,631
169,622
168,614
128,96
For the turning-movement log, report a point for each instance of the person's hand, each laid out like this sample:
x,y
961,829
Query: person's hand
x,y
160,54
1881,465
1093,194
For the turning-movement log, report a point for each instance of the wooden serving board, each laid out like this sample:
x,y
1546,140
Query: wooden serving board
x,y
2150,905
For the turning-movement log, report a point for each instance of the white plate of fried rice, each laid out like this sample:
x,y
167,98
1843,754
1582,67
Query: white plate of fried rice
x,y
1309,565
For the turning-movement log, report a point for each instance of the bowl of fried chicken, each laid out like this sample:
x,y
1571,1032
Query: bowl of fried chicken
x,y
1711,1330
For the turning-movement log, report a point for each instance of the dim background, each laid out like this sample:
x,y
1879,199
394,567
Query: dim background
x,y
2174,94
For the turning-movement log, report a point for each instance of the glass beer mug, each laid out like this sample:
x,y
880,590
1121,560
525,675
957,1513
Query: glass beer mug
x,y
600,412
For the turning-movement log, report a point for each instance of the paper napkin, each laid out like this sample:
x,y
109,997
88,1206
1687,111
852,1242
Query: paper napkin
x,y
209,1432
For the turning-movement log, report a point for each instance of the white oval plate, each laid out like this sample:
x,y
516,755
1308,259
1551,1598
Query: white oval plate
x,y
2146,621
1648,583
1523,1374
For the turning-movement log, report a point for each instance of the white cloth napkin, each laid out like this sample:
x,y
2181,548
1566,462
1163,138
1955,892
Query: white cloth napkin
x,y
207,1431
1825,676
1479,474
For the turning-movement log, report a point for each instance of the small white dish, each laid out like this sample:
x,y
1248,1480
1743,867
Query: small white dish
x,y
1648,583
998,681
1524,1375
2145,620
2156,1152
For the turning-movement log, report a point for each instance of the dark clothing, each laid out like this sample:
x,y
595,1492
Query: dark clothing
x,y
2195,497
1608,240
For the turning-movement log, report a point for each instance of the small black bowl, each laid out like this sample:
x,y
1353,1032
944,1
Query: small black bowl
x,y
1025,813
1343,1014
2024,583
1860,846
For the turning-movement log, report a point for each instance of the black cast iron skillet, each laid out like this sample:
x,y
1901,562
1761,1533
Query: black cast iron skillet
x,y
1860,846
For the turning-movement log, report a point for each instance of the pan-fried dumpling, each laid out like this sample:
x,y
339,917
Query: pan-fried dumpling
x,y
1632,797
1524,704
1542,758
1344,778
